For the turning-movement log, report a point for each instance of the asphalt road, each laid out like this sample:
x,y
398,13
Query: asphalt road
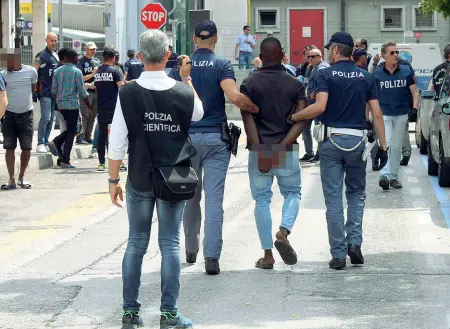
x,y
62,243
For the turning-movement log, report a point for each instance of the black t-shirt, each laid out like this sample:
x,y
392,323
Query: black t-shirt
x,y
134,67
87,66
276,93
439,75
106,80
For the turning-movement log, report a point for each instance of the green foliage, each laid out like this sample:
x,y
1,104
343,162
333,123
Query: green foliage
x,y
441,6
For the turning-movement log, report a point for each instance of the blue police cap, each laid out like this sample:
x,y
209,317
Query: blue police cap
x,y
205,30
359,53
343,38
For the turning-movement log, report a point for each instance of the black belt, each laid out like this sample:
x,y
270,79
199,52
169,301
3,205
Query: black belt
x,y
18,114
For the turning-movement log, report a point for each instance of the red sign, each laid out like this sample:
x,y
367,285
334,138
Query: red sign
x,y
154,16
418,35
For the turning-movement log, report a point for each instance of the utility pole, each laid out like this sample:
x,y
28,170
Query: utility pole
x,y
61,28
17,38
188,34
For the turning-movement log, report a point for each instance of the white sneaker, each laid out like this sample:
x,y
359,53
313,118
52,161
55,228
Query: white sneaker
x,y
41,148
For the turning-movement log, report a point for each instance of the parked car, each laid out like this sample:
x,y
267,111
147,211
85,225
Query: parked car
x,y
439,141
423,122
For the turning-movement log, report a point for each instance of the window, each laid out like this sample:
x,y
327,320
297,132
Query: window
x,y
423,22
392,18
267,19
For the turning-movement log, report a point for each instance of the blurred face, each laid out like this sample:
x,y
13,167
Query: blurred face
x,y
357,43
14,62
51,41
390,55
257,62
90,53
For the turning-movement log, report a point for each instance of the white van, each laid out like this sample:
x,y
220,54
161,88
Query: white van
x,y
425,57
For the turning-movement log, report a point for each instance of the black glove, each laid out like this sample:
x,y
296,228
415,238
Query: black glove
x,y
35,97
380,159
370,136
369,125
412,116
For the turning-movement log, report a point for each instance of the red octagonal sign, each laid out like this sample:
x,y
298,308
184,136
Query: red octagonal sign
x,y
154,16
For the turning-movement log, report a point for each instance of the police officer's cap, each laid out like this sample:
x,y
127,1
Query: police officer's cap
x,y
359,53
91,45
342,38
205,30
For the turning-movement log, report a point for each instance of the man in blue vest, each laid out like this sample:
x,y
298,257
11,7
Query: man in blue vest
x,y
343,90
212,78
394,82
45,63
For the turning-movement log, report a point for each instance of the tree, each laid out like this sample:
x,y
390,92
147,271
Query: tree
x,y
441,6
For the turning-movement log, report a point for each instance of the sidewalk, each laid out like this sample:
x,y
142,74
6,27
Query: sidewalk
x,y
41,161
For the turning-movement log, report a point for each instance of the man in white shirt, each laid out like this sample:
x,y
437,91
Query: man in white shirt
x,y
18,121
154,139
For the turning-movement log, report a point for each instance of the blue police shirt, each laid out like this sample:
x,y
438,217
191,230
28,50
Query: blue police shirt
x,y
208,71
393,89
134,67
48,62
349,89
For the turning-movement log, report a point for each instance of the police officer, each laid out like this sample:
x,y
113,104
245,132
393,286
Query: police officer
x,y
343,90
212,77
88,65
45,63
133,66
440,71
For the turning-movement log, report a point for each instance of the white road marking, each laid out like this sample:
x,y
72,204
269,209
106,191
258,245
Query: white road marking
x,y
424,218
413,179
415,191
409,171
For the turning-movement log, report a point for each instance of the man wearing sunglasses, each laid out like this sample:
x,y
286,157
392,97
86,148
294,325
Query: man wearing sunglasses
x,y
394,82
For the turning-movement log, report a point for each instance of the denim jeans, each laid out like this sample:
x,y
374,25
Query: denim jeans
x,y
307,138
289,182
140,207
337,166
395,131
245,58
46,121
212,158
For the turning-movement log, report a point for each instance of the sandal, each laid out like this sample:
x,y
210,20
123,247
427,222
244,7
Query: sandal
x,y
264,266
23,185
286,251
10,186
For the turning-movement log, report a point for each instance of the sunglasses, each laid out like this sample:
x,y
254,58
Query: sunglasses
x,y
394,52
312,56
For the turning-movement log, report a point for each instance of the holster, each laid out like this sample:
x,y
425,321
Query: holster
x,y
230,135
319,132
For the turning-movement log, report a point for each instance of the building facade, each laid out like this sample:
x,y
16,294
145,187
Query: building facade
x,y
298,23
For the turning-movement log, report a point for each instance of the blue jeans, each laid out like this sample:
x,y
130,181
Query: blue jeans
x,y
335,166
213,158
395,131
140,207
245,58
289,182
45,123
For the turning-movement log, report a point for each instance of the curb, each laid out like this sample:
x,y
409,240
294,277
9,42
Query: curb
x,y
40,161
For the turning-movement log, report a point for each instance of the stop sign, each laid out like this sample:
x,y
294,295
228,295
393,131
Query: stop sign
x,y
154,16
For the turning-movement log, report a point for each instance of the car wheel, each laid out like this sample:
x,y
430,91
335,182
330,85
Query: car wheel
x,y
433,167
423,148
444,170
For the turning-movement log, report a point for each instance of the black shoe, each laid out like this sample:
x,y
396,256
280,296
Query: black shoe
x,y
191,258
384,183
355,254
315,159
337,263
395,184
307,157
131,319
89,141
405,160
212,266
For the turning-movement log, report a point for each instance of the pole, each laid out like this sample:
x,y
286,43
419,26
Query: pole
x,y
61,28
17,38
188,34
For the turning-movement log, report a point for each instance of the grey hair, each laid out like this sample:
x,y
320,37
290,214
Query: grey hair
x,y
153,46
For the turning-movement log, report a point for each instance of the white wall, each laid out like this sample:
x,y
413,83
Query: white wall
x,y
230,17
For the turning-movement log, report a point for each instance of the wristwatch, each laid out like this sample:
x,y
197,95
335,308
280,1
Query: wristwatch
x,y
290,121
114,181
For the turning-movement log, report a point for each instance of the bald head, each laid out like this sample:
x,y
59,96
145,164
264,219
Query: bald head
x,y
315,57
271,51
51,41
315,52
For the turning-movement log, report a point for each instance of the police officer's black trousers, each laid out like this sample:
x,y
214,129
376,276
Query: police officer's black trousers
x,y
102,143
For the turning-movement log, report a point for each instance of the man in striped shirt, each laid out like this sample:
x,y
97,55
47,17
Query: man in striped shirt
x,y
68,88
